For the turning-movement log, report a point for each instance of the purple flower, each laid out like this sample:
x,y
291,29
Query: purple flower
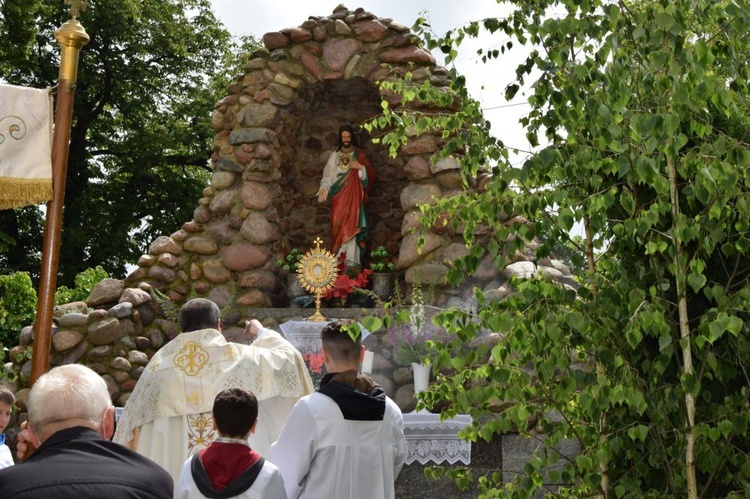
x,y
413,328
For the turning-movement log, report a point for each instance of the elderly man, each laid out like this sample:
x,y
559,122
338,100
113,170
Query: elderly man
x,y
168,416
71,418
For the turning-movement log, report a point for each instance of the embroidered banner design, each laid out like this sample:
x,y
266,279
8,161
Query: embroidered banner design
x,y
25,146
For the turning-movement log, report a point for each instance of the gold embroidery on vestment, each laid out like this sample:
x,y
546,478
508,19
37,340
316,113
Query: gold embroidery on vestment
x,y
194,398
191,358
200,430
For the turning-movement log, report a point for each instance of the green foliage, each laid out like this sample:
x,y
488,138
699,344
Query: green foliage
x,y
380,260
21,229
84,283
412,328
169,309
638,113
17,306
290,263
141,138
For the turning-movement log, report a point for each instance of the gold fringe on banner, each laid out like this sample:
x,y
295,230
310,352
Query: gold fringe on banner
x,y
18,192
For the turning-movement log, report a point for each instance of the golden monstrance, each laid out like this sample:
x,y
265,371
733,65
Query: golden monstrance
x,y
317,271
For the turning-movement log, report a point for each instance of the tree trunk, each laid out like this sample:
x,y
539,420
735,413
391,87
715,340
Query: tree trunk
x,y
685,343
604,465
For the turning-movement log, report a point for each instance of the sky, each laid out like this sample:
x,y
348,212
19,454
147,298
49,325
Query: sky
x,y
486,82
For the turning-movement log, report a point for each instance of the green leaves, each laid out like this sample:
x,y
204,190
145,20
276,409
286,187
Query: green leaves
x,y
141,141
641,112
638,432
18,302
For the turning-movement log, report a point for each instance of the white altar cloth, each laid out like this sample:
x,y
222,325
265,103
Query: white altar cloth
x,y
305,335
430,440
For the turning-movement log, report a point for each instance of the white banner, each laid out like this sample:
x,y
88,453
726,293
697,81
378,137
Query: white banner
x,y
25,146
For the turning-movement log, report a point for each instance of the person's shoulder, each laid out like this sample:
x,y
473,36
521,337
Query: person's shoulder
x,y
6,457
199,336
6,474
392,407
313,402
311,399
269,467
187,463
135,459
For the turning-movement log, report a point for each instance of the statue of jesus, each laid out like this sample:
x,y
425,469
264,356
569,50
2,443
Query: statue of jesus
x,y
347,177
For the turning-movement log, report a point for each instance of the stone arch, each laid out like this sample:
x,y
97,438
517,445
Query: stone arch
x,y
274,131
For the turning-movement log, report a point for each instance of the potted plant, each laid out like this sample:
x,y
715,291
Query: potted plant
x,y
413,331
290,265
413,334
315,366
380,261
382,276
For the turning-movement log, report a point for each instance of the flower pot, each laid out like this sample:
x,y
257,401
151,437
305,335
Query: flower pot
x,y
294,287
421,376
382,285
336,303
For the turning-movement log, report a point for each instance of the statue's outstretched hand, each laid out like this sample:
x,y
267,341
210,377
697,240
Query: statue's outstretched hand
x,y
322,195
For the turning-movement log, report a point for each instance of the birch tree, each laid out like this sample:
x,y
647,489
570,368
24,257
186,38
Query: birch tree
x,y
638,115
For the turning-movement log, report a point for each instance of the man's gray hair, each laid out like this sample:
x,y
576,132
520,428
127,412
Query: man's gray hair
x,y
66,392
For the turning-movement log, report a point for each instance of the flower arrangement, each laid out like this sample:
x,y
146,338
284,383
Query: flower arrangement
x,y
290,263
413,332
380,260
315,366
346,283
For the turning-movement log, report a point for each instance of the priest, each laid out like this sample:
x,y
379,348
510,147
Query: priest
x,y
168,415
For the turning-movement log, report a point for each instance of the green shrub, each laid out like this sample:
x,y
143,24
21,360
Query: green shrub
x,y
290,263
18,303
85,282
380,260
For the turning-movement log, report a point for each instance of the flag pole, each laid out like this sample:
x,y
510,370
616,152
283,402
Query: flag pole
x,y
72,37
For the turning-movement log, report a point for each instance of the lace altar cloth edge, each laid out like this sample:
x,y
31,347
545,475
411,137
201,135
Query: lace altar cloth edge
x,y
430,440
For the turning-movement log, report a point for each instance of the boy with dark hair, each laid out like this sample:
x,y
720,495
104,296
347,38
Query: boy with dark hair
x,y
6,410
228,467
347,439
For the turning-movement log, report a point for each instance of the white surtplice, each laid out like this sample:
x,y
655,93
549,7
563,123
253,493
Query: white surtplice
x,y
168,416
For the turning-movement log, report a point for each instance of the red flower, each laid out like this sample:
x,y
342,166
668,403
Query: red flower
x,y
314,362
344,285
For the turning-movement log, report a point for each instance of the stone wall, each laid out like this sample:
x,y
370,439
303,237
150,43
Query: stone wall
x,y
117,330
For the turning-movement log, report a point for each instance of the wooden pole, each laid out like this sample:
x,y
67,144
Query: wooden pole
x,y
72,37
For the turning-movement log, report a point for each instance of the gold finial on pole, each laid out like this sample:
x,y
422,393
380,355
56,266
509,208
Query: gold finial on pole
x,y
76,7
72,37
